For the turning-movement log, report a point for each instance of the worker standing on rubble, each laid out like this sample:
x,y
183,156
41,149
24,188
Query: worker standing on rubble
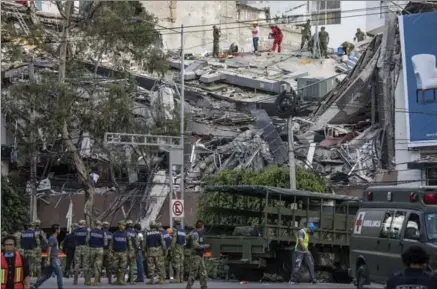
x,y
81,254
360,35
132,259
255,36
306,33
277,37
302,253
156,252
216,37
177,250
324,40
107,254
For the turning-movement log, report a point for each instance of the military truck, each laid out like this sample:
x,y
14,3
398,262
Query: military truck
x,y
255,227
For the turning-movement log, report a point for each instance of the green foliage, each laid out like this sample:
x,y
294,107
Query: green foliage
x,y
14,207
271,176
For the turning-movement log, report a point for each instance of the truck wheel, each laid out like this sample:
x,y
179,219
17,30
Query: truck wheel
x,y
361,276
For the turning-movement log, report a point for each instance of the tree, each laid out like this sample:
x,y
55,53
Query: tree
x,y
14,207
271,176
74,101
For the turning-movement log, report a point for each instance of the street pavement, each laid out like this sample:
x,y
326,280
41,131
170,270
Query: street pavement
x,y
68,284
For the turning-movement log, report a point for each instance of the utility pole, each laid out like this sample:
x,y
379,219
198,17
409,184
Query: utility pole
x,y
291,161
33,150
182,185
316,46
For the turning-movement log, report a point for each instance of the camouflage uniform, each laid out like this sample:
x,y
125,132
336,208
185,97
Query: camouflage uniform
x,y
121,244
82,252
324,40
216,36
43,244
306,33
155,250
108,257
132,256
29,253
348,47
97,241
198,267
187,257
359,36
177,251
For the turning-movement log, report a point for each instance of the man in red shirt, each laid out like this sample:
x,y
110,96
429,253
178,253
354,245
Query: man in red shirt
x,y
15,272
277,36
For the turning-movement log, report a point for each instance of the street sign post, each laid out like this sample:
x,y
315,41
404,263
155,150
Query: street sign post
x,y
177,208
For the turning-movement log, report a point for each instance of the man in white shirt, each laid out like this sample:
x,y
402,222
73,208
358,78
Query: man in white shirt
x,y
255,35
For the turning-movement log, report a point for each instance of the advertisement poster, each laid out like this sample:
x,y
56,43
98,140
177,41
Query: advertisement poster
x,y
418,33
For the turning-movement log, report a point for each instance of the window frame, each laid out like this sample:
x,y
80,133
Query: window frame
x,y
433,181
401,228
381,235
420,225
326,16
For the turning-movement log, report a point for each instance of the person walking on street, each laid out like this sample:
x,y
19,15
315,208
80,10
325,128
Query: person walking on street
x,y
416,259
97,241
69,245
324,40
255,36
277,37
53,263
177,250
306,33
198,267
15,268
139,258
155,250
360,35
121,245
303,254
107,253
216,37
82,253
29,241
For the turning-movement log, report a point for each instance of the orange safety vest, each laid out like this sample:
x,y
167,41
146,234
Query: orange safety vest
x,y
19,274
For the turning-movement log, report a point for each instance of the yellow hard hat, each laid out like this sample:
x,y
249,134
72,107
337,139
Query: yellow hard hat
x,y
255,22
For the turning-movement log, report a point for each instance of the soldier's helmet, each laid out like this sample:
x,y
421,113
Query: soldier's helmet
x,y
82,223
98,223
105,224
177,221
37,222
121,222
129,222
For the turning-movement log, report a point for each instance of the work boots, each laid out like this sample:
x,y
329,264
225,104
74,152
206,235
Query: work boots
x,y
151,282
121,278
161,281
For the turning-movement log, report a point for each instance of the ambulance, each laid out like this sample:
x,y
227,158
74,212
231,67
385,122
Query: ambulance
x,y
390,220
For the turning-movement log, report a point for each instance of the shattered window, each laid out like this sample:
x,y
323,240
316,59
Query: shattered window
x,y
431,177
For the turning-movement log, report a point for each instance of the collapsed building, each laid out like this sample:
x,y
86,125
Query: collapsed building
x,y
236,122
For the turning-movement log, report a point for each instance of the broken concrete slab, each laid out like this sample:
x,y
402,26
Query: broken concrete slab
x,y
190,75
212,77
246,81
198,64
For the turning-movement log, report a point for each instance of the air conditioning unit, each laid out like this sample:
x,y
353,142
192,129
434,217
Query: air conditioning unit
x,y
314,88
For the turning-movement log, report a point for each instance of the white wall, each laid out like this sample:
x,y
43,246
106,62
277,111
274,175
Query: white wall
x,y
402,154
50,6
376,15
281,7
350,21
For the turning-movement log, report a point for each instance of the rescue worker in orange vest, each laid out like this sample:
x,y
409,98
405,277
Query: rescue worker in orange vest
x,y
15,272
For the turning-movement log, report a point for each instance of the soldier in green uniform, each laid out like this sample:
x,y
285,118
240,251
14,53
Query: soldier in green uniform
x,y
347,47
97,241
107,254
324,40
177,250
29,241
82,253
187,256
306,33
216,36
132,257
121,245
155,252
43,244
360,35
197,246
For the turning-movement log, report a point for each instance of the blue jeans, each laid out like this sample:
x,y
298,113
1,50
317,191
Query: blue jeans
x,y
55,267
308,259
140,267
255,43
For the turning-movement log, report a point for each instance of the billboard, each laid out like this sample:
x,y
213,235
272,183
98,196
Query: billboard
x,y
419,53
